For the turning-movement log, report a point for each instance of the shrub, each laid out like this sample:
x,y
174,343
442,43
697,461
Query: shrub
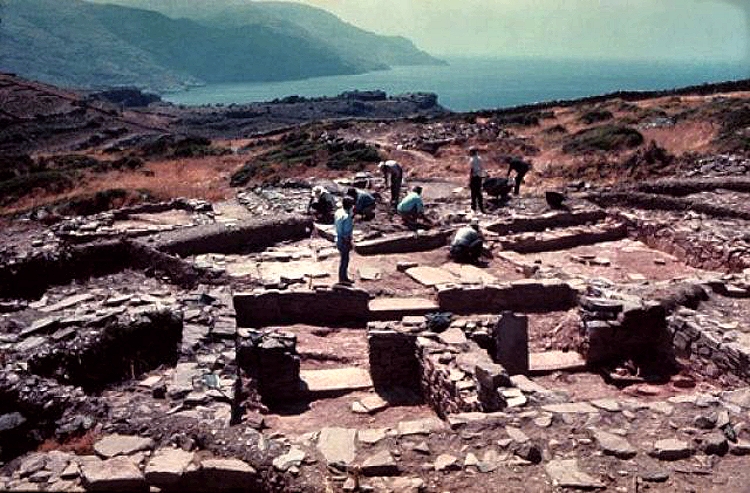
x,y
596,115
603,138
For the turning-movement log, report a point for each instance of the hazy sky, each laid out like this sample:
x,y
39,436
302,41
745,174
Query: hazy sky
x,y
664,29
612,29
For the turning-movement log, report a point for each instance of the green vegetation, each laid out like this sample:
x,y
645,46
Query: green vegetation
x,y
596,115
301,149
603,138
49,181
182,147
734,135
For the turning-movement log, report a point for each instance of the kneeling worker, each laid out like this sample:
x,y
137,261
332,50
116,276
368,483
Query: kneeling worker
x,y
411,208
364,203
322,204
468,243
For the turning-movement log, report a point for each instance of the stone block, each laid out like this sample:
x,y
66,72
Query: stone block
x,y
512,342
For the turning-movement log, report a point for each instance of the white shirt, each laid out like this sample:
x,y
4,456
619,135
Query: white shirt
x,y
476,165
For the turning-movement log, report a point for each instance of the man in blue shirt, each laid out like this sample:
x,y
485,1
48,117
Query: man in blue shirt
x,y
411,208
344,223
364,203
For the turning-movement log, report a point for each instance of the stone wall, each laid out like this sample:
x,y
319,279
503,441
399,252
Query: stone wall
x,y
526,295
393,357
693,339
269,363
245,236
566,239
404,243
624,327
542,222
327,306
454,374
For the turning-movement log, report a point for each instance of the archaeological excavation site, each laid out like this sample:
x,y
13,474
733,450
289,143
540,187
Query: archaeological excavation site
x,y
204,344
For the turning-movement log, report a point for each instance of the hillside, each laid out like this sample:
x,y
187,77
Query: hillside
x,y
79,44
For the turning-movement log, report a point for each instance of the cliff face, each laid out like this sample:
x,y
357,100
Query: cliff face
x,y
79,44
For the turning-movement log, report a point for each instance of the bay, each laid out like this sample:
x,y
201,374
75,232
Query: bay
x,y
467,84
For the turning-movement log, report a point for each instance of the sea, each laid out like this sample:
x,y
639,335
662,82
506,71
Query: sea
x,y
469,84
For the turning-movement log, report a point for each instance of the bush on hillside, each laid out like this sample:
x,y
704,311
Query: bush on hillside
x,y
603,138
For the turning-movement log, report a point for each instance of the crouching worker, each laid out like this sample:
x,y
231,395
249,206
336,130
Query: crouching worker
x,y
411,208
322,205
468,244
364,203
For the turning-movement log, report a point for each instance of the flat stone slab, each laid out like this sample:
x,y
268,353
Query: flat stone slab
x,y
420,426
571,408
396,308
116,474
614,445
167,466
672,449
431,276
337,445
67,302
113,445
565,474
552,361
470,274
336,380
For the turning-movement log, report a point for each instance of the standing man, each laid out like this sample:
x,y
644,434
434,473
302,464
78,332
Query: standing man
x,y
476,174
521,167
344,223
393,172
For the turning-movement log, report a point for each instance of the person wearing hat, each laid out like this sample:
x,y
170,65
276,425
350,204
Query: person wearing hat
x,y
393,173
344,225
476,173
520,167
322,204
411,208
467,244
364,203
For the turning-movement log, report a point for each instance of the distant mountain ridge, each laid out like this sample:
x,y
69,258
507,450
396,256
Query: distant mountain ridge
x,y
85,45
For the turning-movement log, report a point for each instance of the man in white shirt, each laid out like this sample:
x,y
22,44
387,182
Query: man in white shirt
x,y
475,179
344,224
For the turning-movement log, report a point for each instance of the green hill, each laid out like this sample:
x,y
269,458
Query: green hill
x,y
86,45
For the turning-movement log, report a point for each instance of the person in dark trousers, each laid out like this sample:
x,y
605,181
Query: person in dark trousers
x,y
344,224
520,167
476,174
393,173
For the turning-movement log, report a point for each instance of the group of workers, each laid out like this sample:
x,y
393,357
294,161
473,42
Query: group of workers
x,y
467,244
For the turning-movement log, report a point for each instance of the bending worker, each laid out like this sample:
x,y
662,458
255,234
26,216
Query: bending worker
x,y
467,244
520,167
393,173
322,204
364,203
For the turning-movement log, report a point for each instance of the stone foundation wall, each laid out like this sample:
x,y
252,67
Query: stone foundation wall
x,y
246,236
692,339
404,243
617,329
328,306
393,357
563,240
528,296
268,362
556,219
454,374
